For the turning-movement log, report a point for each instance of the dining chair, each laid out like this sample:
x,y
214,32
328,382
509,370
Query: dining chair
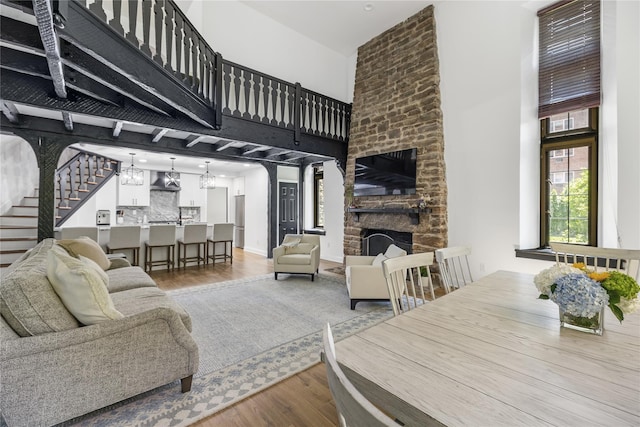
x,y
222,234
354,410
194,234
75,232
600,259
406,277
160,236
454,267
125,237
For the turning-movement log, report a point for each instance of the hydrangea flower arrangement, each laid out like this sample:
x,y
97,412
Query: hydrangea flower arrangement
x,y
581,292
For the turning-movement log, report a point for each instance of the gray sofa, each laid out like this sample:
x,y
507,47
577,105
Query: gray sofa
x,y
53,369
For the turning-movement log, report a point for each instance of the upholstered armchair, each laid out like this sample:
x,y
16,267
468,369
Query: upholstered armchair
x,y
365,279
298,253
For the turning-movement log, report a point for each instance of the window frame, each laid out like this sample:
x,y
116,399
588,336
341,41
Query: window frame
x,y
566,140
318,176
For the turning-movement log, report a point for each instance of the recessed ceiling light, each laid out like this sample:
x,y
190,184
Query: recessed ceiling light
x,y
246,165
200,166
368,7
223,176
142,160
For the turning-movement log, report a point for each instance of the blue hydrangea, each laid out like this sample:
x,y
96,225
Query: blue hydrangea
x,y
579,295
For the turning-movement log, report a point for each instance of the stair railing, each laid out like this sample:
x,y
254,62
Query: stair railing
x,y
77,180
160,30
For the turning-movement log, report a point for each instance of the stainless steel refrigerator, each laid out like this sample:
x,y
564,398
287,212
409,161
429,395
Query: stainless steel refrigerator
x,y
239,223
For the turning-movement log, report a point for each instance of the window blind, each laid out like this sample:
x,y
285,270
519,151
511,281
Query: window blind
x,y
569,74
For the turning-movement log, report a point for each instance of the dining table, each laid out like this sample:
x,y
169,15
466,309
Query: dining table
x,y
492,354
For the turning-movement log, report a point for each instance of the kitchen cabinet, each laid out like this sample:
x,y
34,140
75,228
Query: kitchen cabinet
x,y
191,195
135,195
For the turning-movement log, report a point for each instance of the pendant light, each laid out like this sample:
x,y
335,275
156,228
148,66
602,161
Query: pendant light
x,y
172,179
132,175
207,180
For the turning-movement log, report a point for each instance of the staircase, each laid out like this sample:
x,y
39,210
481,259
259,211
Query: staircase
x,y
78,179
18,230
76,182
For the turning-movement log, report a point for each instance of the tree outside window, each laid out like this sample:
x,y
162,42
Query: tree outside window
x,y
569,186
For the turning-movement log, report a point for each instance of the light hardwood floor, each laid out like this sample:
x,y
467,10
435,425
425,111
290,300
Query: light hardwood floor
x,y
302,400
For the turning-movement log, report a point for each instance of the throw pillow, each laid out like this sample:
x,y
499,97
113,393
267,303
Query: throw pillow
x,y
88,248
378,260
82,286
393,251
302,248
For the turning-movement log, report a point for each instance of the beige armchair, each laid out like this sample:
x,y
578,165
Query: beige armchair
x,y
365,279
298,253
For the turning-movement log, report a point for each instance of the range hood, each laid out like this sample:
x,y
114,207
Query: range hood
x,y
165,181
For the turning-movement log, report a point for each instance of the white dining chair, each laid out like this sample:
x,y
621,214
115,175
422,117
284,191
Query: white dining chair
x,y
600,259
354,410
194,234
405,280
222,234
160,236
125,237
454,267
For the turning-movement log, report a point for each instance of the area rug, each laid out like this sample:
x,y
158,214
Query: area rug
x,y
252,333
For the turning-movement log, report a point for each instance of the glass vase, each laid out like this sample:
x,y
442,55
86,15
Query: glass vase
x,y
592,325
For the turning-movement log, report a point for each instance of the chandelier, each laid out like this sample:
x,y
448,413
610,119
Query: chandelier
x,y
172,179
132,175
207,180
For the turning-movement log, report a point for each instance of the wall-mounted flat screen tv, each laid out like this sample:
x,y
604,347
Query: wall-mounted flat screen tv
x,y
386,174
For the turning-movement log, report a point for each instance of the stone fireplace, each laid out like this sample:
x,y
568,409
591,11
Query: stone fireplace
x,y
396,106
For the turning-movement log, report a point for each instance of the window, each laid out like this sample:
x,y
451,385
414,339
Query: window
x,y
569,97
569,184
318,196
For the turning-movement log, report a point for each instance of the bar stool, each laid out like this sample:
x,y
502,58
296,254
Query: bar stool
x,y
194,234
75,232
222,233
125,237
160,236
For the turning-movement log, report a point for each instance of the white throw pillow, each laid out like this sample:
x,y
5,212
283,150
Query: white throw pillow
x,y
82,286
379,259
393,251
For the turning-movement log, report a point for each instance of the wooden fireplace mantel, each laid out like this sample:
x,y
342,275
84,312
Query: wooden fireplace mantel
x,y
414,213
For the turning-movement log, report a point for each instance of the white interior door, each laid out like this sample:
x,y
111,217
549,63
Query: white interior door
x,y
217,211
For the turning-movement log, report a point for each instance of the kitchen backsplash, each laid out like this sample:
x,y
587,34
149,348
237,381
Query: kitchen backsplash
x,y
163,208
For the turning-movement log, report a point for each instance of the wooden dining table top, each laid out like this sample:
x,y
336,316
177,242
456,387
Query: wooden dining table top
x,y
492,354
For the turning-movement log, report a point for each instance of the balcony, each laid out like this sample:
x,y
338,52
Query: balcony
x,y
143,62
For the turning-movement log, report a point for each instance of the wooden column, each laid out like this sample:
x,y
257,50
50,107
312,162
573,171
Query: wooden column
x,y
48,152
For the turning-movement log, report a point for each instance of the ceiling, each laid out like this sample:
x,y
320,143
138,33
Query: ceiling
x,y
342,26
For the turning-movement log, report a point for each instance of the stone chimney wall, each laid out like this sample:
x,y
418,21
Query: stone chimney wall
x,y
396,106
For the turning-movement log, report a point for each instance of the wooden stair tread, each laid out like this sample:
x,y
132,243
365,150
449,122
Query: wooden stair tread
x,y
13,251
5,265
17,239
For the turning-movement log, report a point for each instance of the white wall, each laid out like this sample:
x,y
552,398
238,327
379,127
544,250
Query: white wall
x,y
267,46
488,75
103,199
256,213
332,242
19,173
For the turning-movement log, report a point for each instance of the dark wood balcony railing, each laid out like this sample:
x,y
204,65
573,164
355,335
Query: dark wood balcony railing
x,y
160,30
